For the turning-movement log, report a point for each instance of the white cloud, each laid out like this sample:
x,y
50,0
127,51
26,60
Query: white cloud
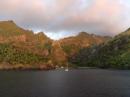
x,y
107,17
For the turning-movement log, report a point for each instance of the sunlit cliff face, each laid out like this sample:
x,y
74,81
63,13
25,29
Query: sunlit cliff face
x,y
60,18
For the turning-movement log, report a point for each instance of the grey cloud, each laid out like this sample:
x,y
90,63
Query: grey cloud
x,y
107,17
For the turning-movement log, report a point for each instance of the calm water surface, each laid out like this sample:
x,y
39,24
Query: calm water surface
x,y
75,83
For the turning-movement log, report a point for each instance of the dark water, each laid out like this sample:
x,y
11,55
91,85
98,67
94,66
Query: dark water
x,y
75,83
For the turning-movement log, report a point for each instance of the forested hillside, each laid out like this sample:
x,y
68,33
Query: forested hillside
x,y
112,54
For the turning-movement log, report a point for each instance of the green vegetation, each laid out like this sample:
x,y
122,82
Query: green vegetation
x,y
112,54
19,47
11,55
68,48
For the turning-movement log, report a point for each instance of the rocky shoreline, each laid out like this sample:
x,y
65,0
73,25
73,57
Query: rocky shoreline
x,y
22,68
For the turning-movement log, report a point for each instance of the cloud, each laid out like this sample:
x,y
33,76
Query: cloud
x,y
68,17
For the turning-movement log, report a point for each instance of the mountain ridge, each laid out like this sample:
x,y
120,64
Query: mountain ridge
x,y
19,46
114,53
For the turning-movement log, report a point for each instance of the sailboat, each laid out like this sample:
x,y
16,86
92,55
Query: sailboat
x,y
67,69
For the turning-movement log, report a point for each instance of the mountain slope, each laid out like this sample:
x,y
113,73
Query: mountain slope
x,y
112,54
24,39
72,45
20,48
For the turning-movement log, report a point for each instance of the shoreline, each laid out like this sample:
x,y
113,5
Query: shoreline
x,y
20,67
47,69
25,68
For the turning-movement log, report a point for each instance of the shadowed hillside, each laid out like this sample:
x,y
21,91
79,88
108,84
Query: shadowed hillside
x,y
112,54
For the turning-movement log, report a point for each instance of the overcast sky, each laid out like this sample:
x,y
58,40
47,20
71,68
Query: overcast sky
x,y
60,18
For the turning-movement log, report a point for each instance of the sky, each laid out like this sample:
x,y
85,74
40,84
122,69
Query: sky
x,y
63,18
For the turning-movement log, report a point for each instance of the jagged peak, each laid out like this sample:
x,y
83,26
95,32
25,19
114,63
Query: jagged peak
x,y
83,34
42,34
